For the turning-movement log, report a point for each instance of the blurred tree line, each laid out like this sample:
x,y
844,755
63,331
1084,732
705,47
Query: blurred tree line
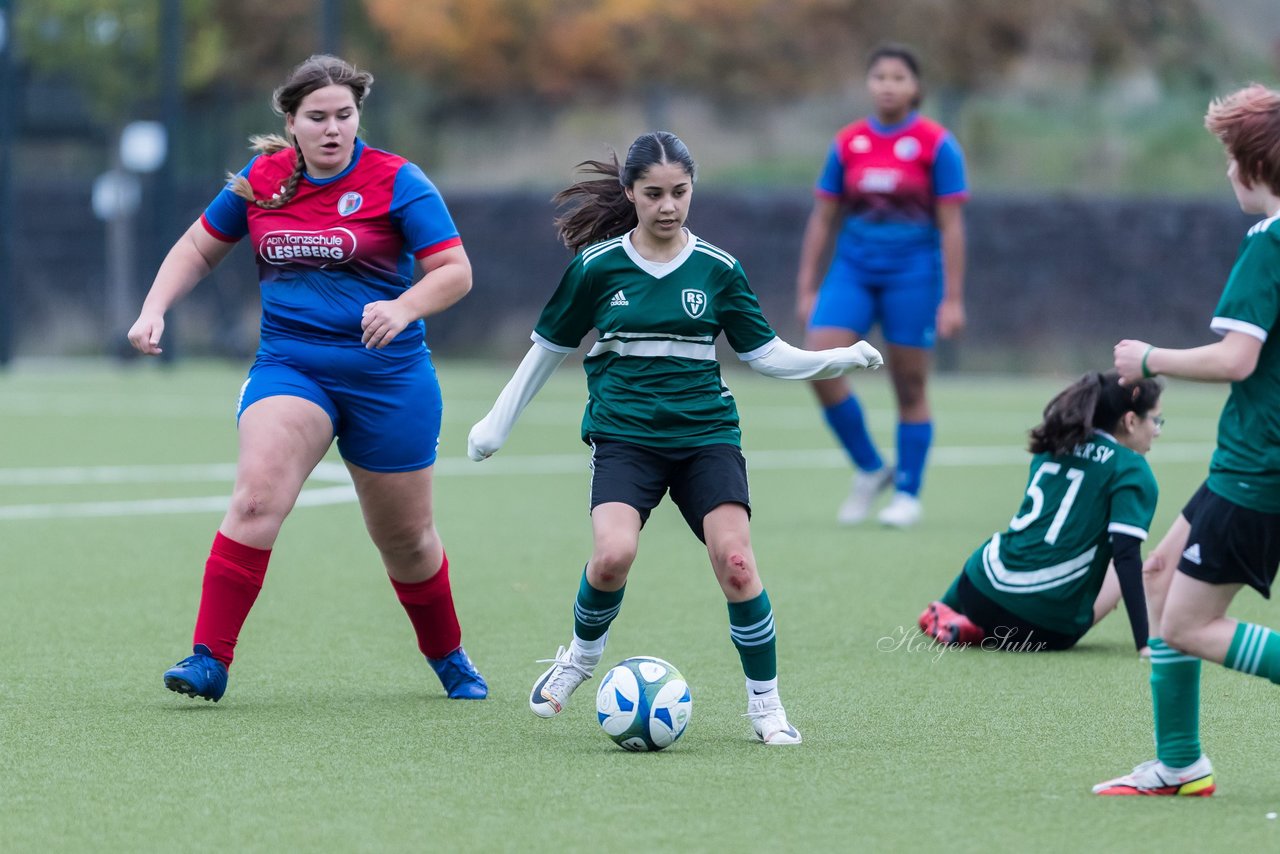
x,y
448,63
484,54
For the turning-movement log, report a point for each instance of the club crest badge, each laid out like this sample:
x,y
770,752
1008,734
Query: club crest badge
x,y
349,203
907,148
694,302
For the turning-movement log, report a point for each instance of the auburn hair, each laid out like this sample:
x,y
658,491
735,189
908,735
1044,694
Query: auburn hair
x,y
1247,122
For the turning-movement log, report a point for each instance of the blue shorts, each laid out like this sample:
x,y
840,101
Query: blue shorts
x,y
385,409
904,301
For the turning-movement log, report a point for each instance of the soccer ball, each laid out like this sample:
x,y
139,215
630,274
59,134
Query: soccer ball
x,y
643,703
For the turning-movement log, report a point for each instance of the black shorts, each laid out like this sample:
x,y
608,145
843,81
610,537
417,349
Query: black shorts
x,y
699,479
1230,544
1006,630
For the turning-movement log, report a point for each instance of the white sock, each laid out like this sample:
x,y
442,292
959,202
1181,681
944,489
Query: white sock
x,y
762,690
588,651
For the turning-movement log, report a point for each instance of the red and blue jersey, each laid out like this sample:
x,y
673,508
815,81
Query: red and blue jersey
x,y
890,179
340,243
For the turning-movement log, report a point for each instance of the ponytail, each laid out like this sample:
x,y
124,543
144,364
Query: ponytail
x,y
1096,401
601,209
270,144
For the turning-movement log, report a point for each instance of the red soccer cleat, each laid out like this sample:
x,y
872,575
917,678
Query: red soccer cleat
x,y
947,625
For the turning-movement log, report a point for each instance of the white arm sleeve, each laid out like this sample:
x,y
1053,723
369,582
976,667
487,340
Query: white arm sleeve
x,y
779,359
490,432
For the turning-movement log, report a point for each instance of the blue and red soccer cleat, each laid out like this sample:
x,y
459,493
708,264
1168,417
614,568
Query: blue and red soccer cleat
x,y
459,676
198,675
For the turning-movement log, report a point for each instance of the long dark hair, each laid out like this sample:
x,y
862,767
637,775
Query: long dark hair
x,y
316,72
1095,401
599,207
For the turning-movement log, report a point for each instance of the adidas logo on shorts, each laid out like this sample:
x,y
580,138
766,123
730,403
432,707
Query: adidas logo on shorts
x,y
618,299
1192,554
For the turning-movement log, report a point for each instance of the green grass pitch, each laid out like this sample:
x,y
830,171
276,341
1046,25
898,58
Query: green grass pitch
x,y
334,735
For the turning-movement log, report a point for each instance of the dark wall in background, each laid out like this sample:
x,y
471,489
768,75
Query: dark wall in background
x,y
1052,284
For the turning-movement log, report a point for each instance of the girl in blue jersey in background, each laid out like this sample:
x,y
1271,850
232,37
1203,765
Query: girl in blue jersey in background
x,y
340,231
889,198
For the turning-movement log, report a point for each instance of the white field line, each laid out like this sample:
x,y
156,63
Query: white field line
x,y
499,466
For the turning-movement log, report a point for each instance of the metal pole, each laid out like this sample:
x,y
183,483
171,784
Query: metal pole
x,y
8,121
330,26
164,227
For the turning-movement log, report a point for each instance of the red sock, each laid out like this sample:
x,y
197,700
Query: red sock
x,y
429,605
232,578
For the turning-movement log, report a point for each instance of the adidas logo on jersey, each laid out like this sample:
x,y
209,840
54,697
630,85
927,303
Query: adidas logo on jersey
x,y
1192,554
618,299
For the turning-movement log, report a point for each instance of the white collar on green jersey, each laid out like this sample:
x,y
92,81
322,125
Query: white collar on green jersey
x,y
658,269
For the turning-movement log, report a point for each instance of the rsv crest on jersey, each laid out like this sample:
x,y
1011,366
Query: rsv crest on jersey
x,y
694,302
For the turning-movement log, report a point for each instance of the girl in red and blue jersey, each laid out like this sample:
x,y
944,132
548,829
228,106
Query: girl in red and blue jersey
x,y
889,198
340,232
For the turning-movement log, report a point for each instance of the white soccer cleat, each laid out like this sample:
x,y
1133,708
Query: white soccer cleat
x,y
866,486
769,720
557,684
1153,777
903,511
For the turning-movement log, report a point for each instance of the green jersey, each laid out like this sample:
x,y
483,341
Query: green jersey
x,y
652,375
1246,465
1049,565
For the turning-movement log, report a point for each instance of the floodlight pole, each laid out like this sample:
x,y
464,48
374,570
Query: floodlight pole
x,y
331,26
8,121
164,228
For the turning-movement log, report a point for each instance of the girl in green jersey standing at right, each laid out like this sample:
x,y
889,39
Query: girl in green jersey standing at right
x,y
1229,533
658,415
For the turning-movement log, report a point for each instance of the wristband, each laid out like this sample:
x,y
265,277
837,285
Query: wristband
x,y
1146,373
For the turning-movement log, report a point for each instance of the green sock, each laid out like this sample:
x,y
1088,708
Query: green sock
x,y
1255,650
751,627
594,609
952,597
1175,699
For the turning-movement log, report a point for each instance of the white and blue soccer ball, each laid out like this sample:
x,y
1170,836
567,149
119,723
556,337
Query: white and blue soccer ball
x,y
643,703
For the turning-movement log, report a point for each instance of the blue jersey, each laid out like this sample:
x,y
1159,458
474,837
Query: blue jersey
x,y
890,179
340,243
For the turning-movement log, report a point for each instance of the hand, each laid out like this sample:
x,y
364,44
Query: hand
x,y
1144,653
483,441
382,321
145,333
951,318
1128,358
864,356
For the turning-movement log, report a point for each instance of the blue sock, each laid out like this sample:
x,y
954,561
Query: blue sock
x,y
850,427
913,447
